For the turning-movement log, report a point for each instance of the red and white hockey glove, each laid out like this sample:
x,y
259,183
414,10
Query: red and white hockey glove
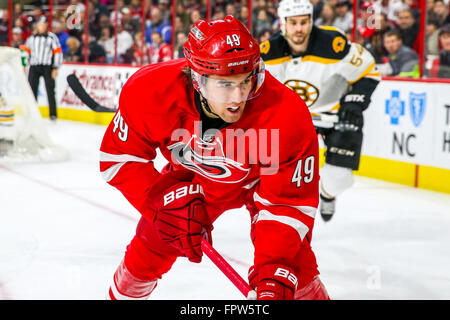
x,y
273,282
181,219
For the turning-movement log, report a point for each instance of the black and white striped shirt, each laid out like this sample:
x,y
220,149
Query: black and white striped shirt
x,y
44,49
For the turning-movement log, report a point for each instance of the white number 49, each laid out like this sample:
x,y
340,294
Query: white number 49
x,y
233,40
120,124
304,171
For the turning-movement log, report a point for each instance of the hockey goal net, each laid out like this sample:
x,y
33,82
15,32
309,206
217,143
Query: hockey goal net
x,y
23,132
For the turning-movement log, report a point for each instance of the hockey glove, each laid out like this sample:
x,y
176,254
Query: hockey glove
x,y
180,216
273,282
350,117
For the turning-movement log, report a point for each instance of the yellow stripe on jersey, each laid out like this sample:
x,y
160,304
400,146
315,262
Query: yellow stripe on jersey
x,y
309,58
317,59
373,74
336,107
365,73
278,61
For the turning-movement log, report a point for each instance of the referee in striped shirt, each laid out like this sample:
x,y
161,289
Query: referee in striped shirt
x,y
46,56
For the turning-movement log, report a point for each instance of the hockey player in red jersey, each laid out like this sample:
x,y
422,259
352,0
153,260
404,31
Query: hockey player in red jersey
x,y
233,136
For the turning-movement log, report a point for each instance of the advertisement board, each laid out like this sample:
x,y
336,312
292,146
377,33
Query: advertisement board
x,y
409,122
102,83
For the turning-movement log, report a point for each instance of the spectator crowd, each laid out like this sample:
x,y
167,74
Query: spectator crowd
x,y
389,29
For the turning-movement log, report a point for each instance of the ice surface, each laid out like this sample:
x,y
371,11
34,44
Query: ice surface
x,y
63,231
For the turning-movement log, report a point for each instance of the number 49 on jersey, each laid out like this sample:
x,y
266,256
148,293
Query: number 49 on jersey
x,y
304,171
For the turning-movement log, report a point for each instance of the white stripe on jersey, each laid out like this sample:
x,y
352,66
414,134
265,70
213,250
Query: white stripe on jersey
x,y
122,159
309,211
109,157
111,172
299,226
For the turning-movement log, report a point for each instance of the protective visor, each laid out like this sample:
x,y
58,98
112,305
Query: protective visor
x,y
226,90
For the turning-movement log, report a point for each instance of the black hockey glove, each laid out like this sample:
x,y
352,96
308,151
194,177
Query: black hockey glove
x,y
350,117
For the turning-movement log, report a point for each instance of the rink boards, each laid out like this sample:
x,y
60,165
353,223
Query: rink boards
x,y
407,134
406,130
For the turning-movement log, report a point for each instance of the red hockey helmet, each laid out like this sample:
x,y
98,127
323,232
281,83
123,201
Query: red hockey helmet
x,y
223,48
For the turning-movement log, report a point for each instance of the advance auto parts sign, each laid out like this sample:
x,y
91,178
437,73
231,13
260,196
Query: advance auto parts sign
x,y
103,84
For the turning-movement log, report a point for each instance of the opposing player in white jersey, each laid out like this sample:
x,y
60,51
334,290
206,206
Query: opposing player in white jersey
x,y
335,78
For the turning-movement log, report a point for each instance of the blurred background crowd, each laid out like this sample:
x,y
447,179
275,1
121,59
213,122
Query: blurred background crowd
x,y
139,32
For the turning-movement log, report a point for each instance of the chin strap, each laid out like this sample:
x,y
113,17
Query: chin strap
x,y
205,106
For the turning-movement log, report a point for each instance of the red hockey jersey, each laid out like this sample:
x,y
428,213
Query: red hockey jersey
x,y
267,160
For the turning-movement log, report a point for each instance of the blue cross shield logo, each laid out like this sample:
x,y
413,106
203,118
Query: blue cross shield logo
x,y
417,106
395,107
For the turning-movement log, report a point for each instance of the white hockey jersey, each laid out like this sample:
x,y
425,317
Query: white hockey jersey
x,y
324,75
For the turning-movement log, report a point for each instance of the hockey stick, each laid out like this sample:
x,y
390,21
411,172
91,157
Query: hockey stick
x,y
331,118
78,89
228,270
331,121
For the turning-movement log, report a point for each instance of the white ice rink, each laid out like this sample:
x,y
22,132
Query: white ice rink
x,y
63,231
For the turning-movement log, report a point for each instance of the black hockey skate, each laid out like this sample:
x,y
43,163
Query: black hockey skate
x,y
327,207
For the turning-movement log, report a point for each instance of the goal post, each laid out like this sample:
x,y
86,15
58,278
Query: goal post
x,y
23,132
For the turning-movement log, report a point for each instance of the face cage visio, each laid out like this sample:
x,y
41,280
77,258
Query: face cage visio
x,y
228,91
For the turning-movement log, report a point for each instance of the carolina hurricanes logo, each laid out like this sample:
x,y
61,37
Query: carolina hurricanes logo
x,y
203,161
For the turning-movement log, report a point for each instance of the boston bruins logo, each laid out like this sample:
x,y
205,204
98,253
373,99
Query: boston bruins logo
x,y
305,90
264,47
338,44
